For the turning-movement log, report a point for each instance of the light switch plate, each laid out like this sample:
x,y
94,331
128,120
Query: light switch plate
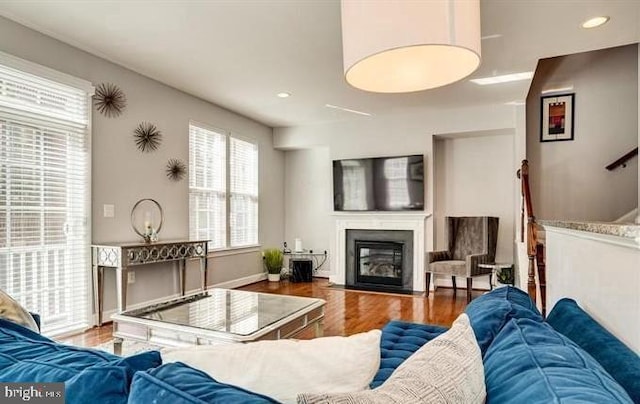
x,y
109,210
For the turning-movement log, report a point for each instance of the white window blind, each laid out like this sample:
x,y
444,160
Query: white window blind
x,y
223,188
44,198
243,211
207,186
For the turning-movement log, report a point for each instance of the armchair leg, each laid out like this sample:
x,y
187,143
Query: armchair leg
x,y
428,278
469,287
453,281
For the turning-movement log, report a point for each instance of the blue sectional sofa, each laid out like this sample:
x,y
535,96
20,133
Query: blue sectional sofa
x,y
568,357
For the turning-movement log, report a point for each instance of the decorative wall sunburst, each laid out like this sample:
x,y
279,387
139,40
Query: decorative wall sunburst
x,y
109,100
147,137
176,169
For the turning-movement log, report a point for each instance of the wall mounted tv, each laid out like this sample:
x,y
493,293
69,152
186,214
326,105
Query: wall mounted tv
x,y
379,184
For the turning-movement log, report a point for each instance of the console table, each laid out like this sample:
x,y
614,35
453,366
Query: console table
x,y
122,256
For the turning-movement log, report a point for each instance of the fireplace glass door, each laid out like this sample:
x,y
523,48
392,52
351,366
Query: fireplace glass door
x,y
379,263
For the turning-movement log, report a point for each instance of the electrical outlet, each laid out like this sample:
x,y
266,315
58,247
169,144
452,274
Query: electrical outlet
x,y
108,210
131,277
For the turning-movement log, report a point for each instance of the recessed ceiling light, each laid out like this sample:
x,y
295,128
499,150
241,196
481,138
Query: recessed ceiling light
x,y
505,78
595,22
284,95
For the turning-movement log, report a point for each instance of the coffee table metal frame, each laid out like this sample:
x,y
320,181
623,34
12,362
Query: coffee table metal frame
x,y
162,333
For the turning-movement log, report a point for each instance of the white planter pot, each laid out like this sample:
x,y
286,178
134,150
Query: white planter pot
x,y
273,277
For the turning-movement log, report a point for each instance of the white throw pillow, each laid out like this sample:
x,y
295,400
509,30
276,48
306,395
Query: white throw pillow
x,y
12,311
281,369
447,369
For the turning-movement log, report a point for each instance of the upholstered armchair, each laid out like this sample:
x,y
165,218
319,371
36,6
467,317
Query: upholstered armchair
x,y
472,240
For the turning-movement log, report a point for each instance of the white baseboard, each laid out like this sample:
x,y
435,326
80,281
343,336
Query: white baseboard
x,y
234,283
321,274
478,284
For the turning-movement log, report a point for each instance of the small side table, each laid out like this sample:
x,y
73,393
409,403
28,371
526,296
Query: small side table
x,y
503,273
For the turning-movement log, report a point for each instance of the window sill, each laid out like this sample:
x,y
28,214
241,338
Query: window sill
x,y
234,251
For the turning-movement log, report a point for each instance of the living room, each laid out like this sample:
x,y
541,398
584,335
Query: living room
x,y
202,65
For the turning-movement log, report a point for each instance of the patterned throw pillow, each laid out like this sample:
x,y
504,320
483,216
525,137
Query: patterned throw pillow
x,y
448,369
12,311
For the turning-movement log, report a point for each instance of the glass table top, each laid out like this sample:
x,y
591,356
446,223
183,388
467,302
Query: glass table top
x,y
232,311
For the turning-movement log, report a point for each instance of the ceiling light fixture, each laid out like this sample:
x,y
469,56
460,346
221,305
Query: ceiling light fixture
x,y
595,22
353,111
284,95
505,78
404,46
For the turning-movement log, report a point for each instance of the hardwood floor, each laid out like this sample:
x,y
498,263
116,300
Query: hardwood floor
x,y
347,311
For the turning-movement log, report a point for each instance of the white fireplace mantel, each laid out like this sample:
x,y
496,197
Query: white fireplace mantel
x,y
415,222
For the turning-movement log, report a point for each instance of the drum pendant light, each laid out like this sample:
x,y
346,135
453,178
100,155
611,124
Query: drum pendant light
x,y
399,46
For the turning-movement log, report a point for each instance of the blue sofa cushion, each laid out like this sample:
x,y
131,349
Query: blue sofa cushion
x,y
530,362
89,375
491,311
615,357
178,383
398,341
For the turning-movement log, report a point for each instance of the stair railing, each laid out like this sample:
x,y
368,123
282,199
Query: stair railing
x,y
622,161
535,250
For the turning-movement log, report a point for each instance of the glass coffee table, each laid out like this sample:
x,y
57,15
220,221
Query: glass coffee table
x,y
219,316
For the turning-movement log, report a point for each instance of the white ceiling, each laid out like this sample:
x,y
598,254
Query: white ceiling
x,y
240,53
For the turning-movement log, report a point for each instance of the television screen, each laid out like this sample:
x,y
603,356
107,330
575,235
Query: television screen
x,y
379,184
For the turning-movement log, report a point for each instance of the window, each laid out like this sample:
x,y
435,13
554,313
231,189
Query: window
x,y
44,194
223,188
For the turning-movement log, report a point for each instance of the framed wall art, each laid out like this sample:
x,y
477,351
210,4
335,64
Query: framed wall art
x,y
556,118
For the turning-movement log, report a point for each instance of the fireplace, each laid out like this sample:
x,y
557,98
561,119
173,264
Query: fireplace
x,y
380,260
378,263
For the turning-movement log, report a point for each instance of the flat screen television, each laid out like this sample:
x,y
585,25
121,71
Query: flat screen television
x,y
379,184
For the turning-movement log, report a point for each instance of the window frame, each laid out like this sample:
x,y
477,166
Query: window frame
x,y
227,248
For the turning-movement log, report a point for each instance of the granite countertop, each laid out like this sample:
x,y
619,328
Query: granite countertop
x,y
626,230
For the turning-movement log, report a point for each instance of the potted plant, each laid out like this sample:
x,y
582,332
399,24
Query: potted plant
x,y
272,258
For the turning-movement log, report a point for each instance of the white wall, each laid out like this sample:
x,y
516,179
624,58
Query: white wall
x,y
121,174
309,193
602,273
474,177
568,179
308,171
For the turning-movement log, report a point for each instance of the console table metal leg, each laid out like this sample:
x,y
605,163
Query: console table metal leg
x,y
96,298
100,304
121,288
117,346
203,272
182,268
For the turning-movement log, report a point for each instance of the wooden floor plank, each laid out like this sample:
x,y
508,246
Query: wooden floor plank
x,y
347,311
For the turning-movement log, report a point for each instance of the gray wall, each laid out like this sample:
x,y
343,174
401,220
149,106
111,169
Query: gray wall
x,y
474,177
568,179
308,171
121,174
